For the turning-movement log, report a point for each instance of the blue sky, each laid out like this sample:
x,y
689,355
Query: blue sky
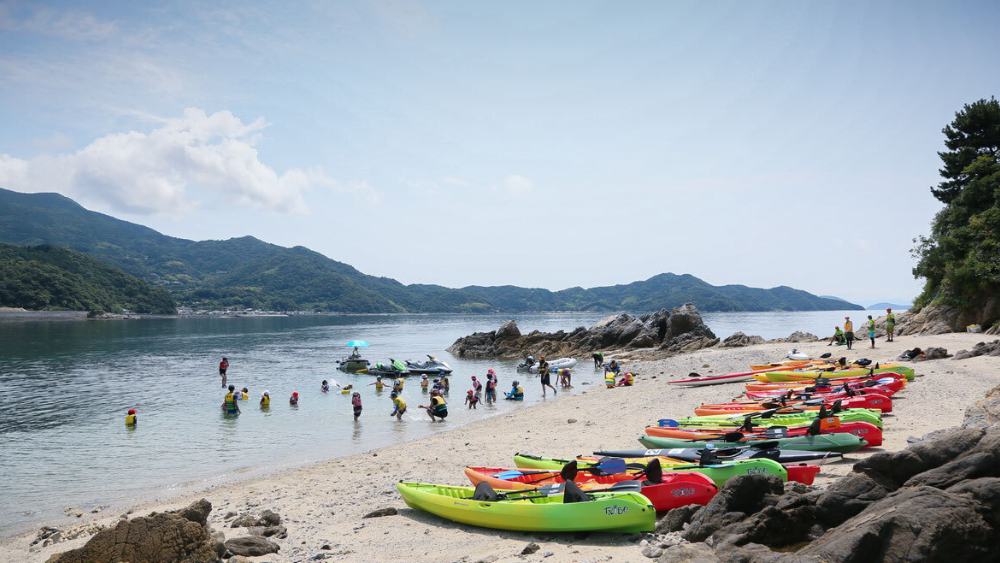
x,y
536,144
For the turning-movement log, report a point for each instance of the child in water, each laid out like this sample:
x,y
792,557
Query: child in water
x,y
378,383
438,407
565,376
423,383
325,387
265,399
444,382
356,402
516,392
491,388
229,404
294,400
477,387
472,399
400,406
131,419
397,386
244,394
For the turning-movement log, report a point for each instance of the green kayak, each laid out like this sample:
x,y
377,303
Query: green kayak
x,y
528,511
843,443
806,374
717,472
786,419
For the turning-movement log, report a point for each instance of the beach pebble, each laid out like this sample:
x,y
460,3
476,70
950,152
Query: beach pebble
x,y
530,548
548,554
571,420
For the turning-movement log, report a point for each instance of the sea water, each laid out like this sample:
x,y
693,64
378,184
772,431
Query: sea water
x,y
65,387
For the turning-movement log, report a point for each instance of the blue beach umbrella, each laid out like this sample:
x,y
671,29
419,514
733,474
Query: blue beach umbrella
x,y
358,344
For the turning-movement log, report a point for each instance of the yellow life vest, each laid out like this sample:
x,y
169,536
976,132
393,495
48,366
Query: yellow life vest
x,y
629,379
379,385
400,403
230,402
265,401
399,384
609,379
130,420
848,326
423,383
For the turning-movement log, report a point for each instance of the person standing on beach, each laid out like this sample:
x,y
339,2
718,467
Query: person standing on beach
x,y
598,359
849,332
890,325
871,331
223,366
543,371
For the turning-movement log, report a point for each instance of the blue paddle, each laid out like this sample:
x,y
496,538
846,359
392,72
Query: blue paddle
x,y
669,423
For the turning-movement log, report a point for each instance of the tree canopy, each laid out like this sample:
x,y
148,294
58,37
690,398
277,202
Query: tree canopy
x,y
960,260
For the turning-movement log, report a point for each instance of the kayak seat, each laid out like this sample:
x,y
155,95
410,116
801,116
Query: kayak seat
x,y
485,492
572,493
648,483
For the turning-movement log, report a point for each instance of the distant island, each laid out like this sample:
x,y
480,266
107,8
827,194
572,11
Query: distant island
x,y
249,273
884,305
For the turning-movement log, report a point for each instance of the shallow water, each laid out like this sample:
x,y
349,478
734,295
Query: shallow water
x,y
65,388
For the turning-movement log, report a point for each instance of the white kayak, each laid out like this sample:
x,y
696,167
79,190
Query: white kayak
x,y
712,379
796,355
561,363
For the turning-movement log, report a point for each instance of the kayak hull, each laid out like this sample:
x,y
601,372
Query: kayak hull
x,y
607,512
842,443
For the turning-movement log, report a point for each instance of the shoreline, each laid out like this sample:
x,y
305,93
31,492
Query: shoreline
x,y
322,502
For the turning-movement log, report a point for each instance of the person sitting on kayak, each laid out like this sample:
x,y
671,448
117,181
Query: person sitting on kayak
x,y
400,406
294,399
627,380
378,383
471,399
325,387
424,382
838,337
229,405
516,392
438,407
609,379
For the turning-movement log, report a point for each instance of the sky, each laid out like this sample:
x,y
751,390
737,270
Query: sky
x,y
553,144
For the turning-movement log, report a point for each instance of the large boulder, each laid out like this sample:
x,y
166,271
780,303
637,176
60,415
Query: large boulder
x,y
739,497
920,524
797,337
980,349
739,340
986,412
251,546
168,537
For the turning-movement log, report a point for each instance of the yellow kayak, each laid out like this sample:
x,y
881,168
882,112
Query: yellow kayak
x,y
804,375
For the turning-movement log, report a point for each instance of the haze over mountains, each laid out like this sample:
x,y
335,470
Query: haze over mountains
x,y
247,272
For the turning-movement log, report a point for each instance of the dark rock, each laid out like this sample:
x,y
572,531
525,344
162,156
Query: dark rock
x,y
914,524
269,518
892,469
279,532
848,497
980,349
675,519
798,336
932,353
530,548
985,412
786,523
739,497
251,546
381,512
739,340
244,521
157,538
689,553
678,331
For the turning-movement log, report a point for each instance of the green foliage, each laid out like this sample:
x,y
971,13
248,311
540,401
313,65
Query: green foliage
x,y
248,273
960,260
48,277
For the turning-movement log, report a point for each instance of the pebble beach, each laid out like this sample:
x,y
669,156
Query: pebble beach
x,y
323,504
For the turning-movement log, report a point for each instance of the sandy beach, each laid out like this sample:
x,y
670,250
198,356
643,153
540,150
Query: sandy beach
x,y
323,503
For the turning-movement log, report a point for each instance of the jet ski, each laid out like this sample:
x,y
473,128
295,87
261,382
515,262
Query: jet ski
x,y
394,368
430,367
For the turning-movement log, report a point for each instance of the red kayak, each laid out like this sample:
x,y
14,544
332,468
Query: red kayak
x,y
800,395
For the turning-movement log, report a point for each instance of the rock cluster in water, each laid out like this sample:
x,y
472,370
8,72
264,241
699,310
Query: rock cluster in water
x,y
677,331
937,500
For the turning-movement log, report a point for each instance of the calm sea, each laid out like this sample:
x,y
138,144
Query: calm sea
x,y
65,388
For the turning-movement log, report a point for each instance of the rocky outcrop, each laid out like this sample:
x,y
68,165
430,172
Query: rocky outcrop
x,y
251,546
182,536
980,349
939,319
674,332
937,500
798,336
739,340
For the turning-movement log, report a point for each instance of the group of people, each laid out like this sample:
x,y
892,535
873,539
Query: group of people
x,y
846,336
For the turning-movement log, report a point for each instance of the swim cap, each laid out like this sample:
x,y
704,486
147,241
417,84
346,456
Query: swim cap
x,y
473,378
470,391
295,393
491,372
131,411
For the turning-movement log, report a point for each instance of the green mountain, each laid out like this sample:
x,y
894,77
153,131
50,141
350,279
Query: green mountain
x,y
49,277
247,272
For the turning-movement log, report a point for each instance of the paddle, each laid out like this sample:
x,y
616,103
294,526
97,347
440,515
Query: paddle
x,y
668,423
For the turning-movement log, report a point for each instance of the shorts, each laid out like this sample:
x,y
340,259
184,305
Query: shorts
x,y
850,337
546,380
222,371
401,412
871,335
442,414
357,411
889,327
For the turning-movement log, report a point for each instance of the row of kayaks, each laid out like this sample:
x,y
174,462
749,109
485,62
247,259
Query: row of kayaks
x,y
796,371
787,431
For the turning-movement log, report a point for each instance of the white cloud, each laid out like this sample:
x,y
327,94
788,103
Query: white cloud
x,y
173,168
516,186
67,24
